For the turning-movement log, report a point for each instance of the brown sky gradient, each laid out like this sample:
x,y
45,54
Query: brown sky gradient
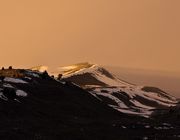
x,y
127,33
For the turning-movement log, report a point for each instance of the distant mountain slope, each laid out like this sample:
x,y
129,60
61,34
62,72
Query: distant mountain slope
x,y
121,95
168,81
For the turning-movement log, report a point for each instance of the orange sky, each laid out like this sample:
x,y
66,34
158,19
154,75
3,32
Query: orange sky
x,y
127,33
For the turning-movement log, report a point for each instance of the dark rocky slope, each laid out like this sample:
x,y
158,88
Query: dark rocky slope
x,y
53,110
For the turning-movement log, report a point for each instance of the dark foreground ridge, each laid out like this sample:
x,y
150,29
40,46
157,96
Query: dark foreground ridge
x,y
34,106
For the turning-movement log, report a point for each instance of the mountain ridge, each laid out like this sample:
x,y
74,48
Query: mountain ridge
x,y
122,96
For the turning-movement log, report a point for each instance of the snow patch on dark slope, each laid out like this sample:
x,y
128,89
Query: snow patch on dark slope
x,y
121,95
11,78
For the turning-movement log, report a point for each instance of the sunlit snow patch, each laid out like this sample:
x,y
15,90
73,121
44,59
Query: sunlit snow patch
x,y
21,93
8,86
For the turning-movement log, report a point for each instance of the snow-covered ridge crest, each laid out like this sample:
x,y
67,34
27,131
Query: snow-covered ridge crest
x,y
95,71
79,68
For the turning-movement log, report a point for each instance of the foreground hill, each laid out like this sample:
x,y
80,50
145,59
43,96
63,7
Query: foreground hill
x,y
35,106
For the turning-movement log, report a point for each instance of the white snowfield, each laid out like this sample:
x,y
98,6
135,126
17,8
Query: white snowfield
x,y
15,80
116,87
136,107
21,93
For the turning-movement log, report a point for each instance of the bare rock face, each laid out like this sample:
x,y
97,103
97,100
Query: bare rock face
x,y
10,93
